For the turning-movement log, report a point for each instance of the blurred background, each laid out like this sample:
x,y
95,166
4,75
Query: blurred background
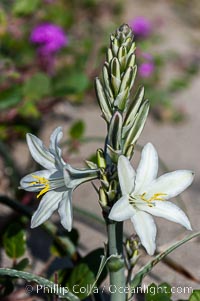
x,y
50,53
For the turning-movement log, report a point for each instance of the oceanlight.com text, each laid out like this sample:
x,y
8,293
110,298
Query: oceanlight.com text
x,y
112,289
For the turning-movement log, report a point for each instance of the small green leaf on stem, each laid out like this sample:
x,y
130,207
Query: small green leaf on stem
x,y
14,241
158,293
195,296
77,130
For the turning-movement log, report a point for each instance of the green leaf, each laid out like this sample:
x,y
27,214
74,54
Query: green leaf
x,y
195,295
3,21
24,7
10,98
87,275
178,84
37,86
158,293
29,109
77,130
14,241
62,293
60,16
22,264
149,266
80,280
70,82
77,82
96,261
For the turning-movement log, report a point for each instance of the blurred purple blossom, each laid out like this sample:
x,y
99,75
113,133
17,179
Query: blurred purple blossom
x,y
146,69
49,37
141,26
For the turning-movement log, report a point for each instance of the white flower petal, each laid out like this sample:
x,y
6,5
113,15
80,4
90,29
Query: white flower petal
x,y
26,182
48,204
170,212
148,167
171,184
39,152
121,210
146,230
126,175
54,148
65,210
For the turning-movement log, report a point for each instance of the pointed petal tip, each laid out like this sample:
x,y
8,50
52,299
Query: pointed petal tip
x,y
151,251
69,229
33,225
145,228
188,226
149,145
57,130
192,173
34,222
29,136
123,160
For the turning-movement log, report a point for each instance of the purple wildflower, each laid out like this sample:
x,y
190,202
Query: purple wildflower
x,y
146,69
141,27
49,37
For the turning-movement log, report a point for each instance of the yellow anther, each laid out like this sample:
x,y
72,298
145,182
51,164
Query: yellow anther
x,y
156,197
41,181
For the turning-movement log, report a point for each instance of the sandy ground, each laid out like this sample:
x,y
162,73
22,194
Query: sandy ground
x,y
177,145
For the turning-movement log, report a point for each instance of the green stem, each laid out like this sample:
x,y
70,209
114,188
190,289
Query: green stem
x,y
116,264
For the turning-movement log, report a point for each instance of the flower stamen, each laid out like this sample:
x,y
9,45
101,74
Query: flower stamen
x,y
156,197
41,181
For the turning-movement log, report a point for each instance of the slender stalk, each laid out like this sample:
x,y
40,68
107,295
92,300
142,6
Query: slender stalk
x,y
116,264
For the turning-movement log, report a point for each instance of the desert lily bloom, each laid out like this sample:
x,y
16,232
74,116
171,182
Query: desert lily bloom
x,y
56,182
144,195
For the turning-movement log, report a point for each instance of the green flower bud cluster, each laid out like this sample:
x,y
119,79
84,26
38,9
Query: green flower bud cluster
x,y
125,115
132,246
109,188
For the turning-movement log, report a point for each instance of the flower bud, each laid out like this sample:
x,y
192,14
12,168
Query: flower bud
x,y
132,249
122,99
122,57
103,102
101,162
134,106
137,127
109,55
103,199
115,131
107,84
112,190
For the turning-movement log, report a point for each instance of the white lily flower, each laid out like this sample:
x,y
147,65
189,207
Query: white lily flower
x,y
56,182
144,195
